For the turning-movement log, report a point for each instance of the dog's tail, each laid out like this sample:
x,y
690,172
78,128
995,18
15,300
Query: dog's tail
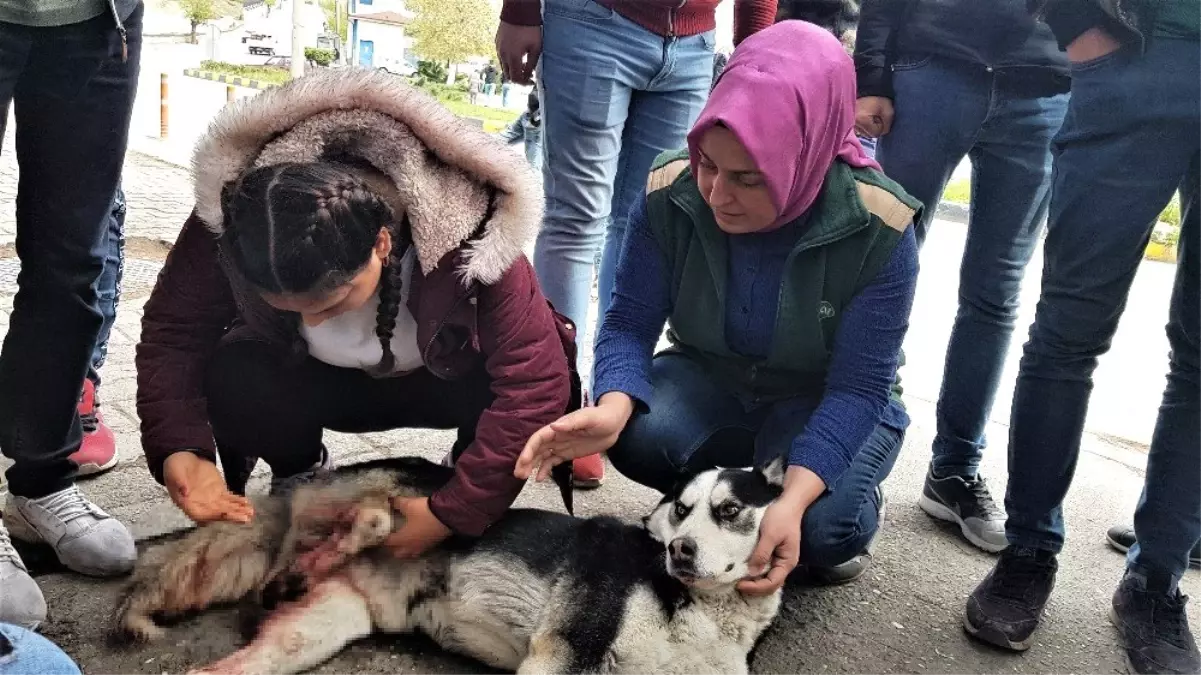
x,y
215,564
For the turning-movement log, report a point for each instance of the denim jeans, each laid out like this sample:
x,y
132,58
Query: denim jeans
x,y
1131,138
694,424
73,96
614,96
108,292
23,652
945,110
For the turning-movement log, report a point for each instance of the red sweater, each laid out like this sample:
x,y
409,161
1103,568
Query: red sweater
x,y
668,18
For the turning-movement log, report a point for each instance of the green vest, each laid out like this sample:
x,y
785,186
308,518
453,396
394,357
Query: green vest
x,y
853,227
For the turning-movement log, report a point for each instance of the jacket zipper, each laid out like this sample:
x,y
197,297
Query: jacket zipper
x,y
671,18
434,336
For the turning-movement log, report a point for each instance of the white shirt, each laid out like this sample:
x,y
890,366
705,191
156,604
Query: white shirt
x,y
349,340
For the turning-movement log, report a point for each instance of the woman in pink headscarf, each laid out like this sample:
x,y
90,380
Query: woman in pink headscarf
x,y
784,265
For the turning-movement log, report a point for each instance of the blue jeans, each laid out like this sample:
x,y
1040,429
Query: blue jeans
x,y
1131,138
695,424
614,96
108,288
945,110
73,96
24,652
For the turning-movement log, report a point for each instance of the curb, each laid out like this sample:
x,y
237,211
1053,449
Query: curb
x,y
236,80
952,211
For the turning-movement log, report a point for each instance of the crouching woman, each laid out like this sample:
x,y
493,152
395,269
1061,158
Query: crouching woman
x,y
784,264
354,263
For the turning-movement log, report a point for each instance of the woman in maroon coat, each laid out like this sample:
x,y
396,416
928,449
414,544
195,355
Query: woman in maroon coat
x,y
354,263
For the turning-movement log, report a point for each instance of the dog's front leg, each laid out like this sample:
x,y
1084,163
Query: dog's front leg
x,y
302,635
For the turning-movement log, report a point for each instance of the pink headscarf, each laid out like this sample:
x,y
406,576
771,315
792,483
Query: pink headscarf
x,y
788,95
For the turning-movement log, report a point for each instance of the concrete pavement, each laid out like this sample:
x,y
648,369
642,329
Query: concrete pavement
x,y
902,617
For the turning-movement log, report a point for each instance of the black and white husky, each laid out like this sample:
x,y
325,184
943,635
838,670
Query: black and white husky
x,y
539,592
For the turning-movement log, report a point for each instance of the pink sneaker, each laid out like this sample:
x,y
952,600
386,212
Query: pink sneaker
x,y
588,472
98,453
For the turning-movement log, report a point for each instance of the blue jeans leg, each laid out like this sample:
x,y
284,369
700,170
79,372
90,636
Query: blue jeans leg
x,y
593,62
24,652
1130,136
73,96
692,424
108,292
659,119
959,109
839,525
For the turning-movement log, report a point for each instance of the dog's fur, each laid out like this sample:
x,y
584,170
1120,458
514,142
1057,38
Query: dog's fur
x,y
539,592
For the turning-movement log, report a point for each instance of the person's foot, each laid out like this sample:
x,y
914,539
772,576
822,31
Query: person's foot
x,y
588,472
98,452
1154,627
284,484
21,601
969,504
857,566
84,537
1005,609
1122,537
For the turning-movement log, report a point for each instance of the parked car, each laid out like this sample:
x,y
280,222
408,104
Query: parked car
x,y
279,61
397,67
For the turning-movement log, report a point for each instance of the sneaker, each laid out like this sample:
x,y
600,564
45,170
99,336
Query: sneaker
x,y
969,504
1154,628
1122,538
855,567
1006,607
588,472
84,537
98,452
21,601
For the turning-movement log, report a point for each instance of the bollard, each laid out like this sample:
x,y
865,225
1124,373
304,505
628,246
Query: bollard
x,y
229,93
162,110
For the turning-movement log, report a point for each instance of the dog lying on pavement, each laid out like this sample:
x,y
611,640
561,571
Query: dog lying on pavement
x,y
539,592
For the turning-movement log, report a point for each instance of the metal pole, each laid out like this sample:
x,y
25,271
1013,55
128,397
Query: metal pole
x,y
297,38
229,93
162,110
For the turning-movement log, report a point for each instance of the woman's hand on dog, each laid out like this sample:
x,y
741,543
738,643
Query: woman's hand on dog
x,y
779,547
198,489
584,432
421,530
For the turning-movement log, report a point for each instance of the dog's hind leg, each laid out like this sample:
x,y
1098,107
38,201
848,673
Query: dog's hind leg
x,y
304,634
549,654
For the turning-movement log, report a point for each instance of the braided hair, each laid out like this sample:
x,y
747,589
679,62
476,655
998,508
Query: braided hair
x,y
295,229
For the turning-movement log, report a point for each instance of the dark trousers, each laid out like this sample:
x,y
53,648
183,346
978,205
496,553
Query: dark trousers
x,y
73,96
262,405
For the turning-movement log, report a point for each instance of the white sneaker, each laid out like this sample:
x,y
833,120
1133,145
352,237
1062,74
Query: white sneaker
x,y
21,601
84,537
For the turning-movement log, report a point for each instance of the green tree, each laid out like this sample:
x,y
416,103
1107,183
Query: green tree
x,y
199,12
336,15
452,31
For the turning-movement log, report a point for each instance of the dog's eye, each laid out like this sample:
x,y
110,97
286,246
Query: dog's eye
x,y
729,511
681,510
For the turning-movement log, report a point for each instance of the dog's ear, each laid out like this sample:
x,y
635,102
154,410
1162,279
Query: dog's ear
x,y
773,471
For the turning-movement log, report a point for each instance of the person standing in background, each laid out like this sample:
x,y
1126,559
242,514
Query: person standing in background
x,y
527,130
621,82
985,81
71,71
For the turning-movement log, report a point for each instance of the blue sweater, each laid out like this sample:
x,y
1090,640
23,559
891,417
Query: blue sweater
x,y
866,347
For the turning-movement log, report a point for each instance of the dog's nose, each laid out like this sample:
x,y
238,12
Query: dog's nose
x,y
683,549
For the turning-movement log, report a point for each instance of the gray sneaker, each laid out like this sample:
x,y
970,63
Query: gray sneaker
x,y
21,600
84,537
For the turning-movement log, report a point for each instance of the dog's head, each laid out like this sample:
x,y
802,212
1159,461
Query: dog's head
x,y
710,523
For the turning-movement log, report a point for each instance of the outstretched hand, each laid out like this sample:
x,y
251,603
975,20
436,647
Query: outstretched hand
x,y
584,432
198,489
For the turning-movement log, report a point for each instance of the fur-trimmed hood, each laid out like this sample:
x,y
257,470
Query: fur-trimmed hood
x,y
443,169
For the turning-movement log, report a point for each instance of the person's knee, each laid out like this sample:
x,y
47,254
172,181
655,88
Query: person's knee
x,y
640,455
832,535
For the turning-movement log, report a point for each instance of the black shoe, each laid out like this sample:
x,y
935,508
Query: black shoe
x,y
1122,538
969,504
1154,628
1006,607
283,485
854,568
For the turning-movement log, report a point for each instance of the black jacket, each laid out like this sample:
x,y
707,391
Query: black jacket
x,y
990,34
1128,20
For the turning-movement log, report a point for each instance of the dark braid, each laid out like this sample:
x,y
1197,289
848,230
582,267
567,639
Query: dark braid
x,y
390,284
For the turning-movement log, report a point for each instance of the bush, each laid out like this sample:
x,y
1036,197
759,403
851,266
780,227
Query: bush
x,y
431,71
322,57
444,92
1171,215
261,73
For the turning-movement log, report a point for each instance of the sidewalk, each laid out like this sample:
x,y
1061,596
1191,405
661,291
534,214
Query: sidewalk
x,y
904,616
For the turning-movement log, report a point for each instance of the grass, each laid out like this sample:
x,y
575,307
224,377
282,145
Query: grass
x,y
260,73
960,191
495,119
